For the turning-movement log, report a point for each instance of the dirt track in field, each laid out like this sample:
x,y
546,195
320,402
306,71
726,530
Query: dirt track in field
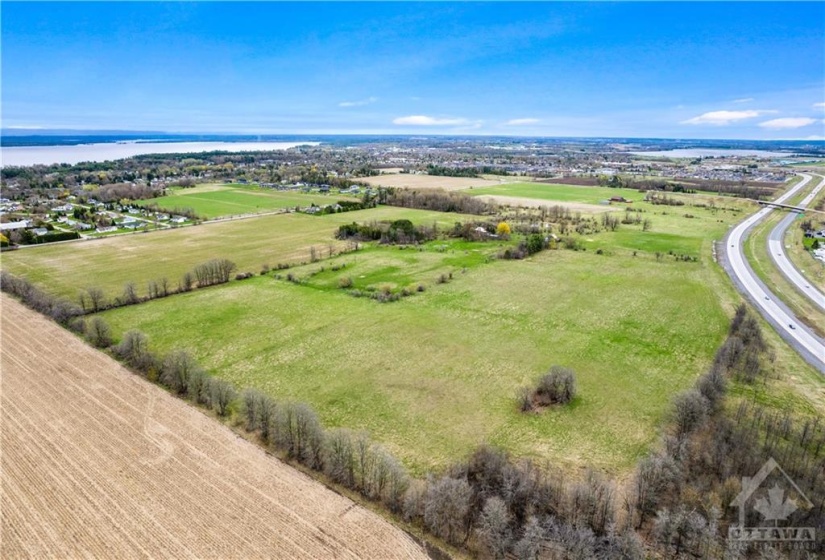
x,y
98,463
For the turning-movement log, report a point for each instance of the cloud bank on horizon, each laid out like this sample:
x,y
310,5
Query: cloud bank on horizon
x,y
543,69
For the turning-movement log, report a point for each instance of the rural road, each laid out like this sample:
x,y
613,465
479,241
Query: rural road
x,y
776,249
800,337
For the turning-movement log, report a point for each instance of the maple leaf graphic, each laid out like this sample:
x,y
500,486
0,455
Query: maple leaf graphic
x,y
776,507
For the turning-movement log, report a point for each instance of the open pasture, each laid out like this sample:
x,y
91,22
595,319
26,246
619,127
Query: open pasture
x,y
435,374
214,201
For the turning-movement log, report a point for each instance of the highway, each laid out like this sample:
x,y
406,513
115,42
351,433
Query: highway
x,y
776,249
800,337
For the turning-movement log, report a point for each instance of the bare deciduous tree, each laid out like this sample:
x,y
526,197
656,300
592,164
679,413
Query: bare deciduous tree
x,y
690,409
221,394
98,333
339,457
96,298
494,527
130,296
446,507
134,350
177,371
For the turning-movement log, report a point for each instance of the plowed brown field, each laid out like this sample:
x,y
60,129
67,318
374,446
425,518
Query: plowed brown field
x,y
98,463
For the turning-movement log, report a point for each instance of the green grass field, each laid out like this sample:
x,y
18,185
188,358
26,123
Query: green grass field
x,y
110,263
435,374
214,201
375,268
559,193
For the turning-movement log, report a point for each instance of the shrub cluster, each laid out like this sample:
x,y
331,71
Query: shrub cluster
x,y
533,244
662,199
398,232
557,386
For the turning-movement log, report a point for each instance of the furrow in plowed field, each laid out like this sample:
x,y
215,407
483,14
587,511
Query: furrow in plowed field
x,y
98,463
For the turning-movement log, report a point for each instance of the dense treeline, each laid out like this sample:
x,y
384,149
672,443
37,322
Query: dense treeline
x,y
401,232
439,200
26,236
120,191
740,189
442,171
681,496
476,171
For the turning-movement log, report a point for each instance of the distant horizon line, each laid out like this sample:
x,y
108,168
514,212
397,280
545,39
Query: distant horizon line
x,y
45,132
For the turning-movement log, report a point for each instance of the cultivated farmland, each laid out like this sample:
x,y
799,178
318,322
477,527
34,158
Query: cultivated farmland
x,y
99,463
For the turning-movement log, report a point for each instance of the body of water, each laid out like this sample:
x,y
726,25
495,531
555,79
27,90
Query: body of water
x,y
47,155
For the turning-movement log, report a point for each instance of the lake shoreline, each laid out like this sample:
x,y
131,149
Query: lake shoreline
x,y
24,156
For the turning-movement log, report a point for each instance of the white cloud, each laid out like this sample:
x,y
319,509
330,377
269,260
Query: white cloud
x,y
359,103
520,122
819,105
722,118
424,120
743,100
788,122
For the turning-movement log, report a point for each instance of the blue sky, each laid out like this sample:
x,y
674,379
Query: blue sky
x,y
674,70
